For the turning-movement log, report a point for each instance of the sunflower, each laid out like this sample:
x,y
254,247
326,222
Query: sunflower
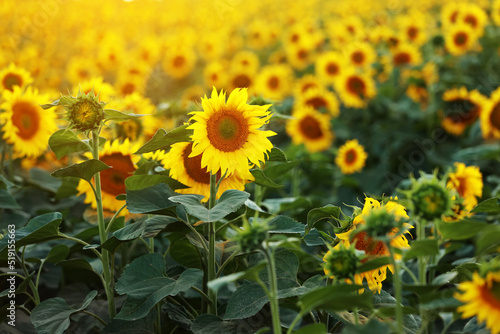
x,y
215,74
467,182
460,38
118,156
127,84
13,76
189,172
406,55
490,117
462,109
80,69
413,28
495,12
474,16
247,60
355,89
311,128
227,133
360,54
241,78
179,61
192,96
25,125
351,157
481,299
328,66
320,99
299,56
274,82
303,84
449,14
374,248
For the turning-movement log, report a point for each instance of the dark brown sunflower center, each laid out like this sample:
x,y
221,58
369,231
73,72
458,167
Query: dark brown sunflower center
x,y
26,119
317,102
193,166
461,111
242,81
294,38
460,38
179,61
453,16
113,179
471,20
358,57
332,68
490,295
11,80
273,82
401,58
302,54
356,86
350,156
128,88
83,74
308,86
412,33
370,246
310,127
495,116
227,130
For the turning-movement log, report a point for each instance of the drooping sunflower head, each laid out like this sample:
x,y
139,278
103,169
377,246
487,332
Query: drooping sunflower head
x,y
228,134
467,182
14,76
351,157
341,262
430,198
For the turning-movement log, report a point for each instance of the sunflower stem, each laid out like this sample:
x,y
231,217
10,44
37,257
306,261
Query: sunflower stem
x,y
421,260
397,290
108,286
273,291
212,295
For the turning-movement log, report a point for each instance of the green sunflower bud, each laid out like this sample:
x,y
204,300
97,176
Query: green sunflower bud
x,y
341,262
379,222
430,198
252,236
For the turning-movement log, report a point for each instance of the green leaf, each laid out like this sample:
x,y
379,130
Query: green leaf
x,y
57,253
371,327
39,229
211,324
52,316
262,180
314,238
285,225
422,248
491,205
84,170
251,274
7,201
155,224
312,329
145,284
138,182
127,233
152,199
444,278
82,264
374,264
336,298
460,230
162,140
487,240
326,212
118,116
64,142
277,155
277,170
143,326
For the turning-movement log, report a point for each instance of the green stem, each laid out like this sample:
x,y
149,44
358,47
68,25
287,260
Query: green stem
x,y
421,259
273,291
95,316
108,287
30,282
203,295
38,275
96,252
356,316
11,164
212,295
108,228
158,307
2,161
229,259
412,275
397,290
294,323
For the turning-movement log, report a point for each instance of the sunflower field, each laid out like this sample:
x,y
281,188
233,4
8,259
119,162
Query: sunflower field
x,y
259,166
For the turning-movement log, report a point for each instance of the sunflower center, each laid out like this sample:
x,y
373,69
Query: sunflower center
x,y
193,166
356,86
11,80
26,119
294,38
453,16
401,58
358,57
332,68
227,130
310,127
317,102
302,54
179,61
412,32
460,38
490,295
461,111
128,88
113,179
273,82
350,156
241,81
83,74
369,245
471,19
495,116
307,86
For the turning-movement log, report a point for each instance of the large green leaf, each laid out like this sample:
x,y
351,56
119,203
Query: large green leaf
x,y
155,224
262,180
460,230
326,212
152,199
84,170
371,327
277,155
138,182
488,239
146,284
162,140
7,201
336,298
285,225
118,116
211,324
127,233
491,205
52,316
64,142
424,247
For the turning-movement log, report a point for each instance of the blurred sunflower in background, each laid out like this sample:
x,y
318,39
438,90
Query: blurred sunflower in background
x,y
462,109
490,117
14,76
354,88
467,182
328,66
274,82
319,99
311,128
351,157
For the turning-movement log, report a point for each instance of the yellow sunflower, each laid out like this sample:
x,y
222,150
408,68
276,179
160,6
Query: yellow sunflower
x,y
179,61
319,99
467,182
462,109
25,125
215,74
311,128
274,82
490,117
460,38
449,14
192,96
413,28
374,248
360,54
495,12
227,133
189,172
406,55
355,89
80,69
481,299
308,81
328,66
474,16
118,156
299,56
101,88
241,78
351,157
247,60
13,76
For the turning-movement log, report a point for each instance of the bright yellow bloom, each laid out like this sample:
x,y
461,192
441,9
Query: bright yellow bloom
x,y
179,61
405,54
490,117
305,83
13,76
482,299
25,125
274,81
320,99
355,89
462,109
228,134
468,182
351,157
215,74
311,128
360,54
329,66
460,38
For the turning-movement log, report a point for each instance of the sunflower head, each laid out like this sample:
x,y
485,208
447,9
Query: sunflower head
x,y
430,198
379,222
341,262
251,236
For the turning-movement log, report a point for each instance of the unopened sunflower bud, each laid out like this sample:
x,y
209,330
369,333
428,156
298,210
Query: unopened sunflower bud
x,y
430,198
252,236
340,262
